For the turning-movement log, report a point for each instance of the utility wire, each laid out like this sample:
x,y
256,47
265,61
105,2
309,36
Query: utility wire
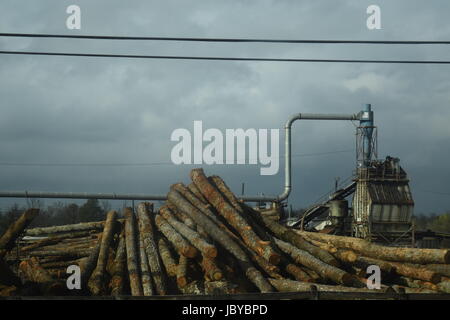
x,y
102,55
14,164
199,39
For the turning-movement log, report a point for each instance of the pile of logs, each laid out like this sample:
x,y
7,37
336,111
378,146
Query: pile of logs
x,y
203,240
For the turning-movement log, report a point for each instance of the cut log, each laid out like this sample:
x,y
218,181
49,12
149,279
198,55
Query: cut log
x,y
76,253
363,262
416,273
297,286
146,278
324,270
88,266
212,271
132,255
118,275
67,228
181,216
193,188
96,283
146,232
32,271
55,239
290,236
194,238
221,237
167,259
263,248
412,255
14,230
413,283
177,240
219,288
60,264
444,286
298,273
443,269
182,271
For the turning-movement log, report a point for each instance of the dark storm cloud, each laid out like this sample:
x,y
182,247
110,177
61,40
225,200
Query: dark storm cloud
x,y
81,110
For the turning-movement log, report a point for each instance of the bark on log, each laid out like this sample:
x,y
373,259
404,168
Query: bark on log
x,y
132,255
60,264
297,286
222,237
324,270
181,216
54,239
363,262
146,231
416,273
212,271
117,283
290,236
33,272
193,188
167,259
177,240
233,217
146,279
412,255
15,229
403,289
413,283
76,253
443,269
444,286
194,238
298,273
88,266
96,283
67,228
182,271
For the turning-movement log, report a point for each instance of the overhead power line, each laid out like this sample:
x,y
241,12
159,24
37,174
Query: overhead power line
x,y
103,55
200,39
34,164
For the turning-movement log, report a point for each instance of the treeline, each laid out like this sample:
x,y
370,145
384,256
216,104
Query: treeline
x,y
58,213
434,222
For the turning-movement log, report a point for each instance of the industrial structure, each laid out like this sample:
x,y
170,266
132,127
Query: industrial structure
x,y
381,209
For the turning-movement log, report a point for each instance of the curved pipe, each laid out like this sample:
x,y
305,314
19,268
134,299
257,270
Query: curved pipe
x,y
113,196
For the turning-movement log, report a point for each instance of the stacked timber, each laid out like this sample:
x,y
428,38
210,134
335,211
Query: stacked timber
x,y
203,240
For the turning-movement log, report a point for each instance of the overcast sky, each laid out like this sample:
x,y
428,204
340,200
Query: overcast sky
x,y
60,110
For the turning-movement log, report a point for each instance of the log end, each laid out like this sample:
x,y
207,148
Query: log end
x,y
274,258
189,252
